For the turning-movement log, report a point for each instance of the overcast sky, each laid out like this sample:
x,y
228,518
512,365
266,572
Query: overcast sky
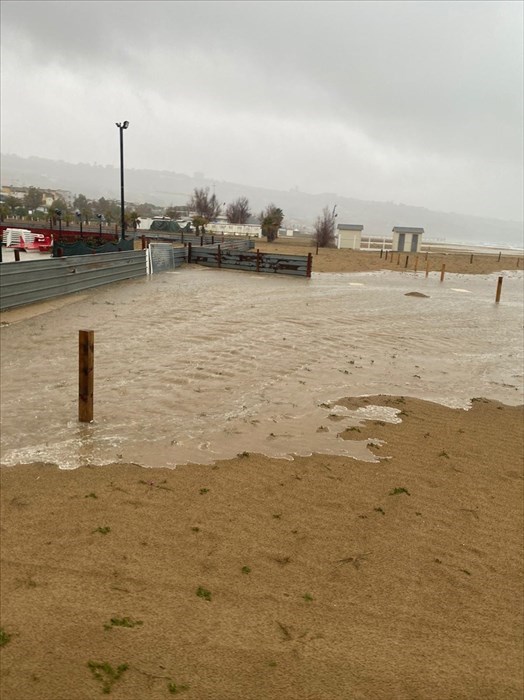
x,y
418,102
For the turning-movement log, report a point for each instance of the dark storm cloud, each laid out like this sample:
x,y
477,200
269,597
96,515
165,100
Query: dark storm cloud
x,y
392,84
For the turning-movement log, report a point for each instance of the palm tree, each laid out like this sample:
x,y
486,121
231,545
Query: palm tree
x,y
270,221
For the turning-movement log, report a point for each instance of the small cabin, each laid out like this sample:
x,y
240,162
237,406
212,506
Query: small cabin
x,y
406,239
349,236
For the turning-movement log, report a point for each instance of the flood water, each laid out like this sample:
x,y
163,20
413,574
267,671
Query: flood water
x,y
197,365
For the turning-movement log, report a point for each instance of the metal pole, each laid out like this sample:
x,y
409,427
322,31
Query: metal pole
x,y
122,221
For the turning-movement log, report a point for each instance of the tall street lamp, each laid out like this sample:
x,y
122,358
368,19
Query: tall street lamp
x,y
121,127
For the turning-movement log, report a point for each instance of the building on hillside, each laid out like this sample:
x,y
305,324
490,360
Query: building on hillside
x,y
349,236
246,230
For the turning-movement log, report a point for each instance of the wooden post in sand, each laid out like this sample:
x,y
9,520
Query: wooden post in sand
x,y
415,266
407,260
442,273
386,256
499,290
86,353
471,258
499,256
381,252
427,267
317,249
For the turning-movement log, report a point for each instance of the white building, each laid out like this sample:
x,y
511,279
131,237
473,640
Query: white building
x,y
406,239
349,236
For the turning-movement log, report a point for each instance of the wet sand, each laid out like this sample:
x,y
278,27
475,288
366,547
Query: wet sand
x,y
323,577
346,260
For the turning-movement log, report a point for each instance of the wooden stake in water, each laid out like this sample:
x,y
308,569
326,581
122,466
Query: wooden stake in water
x,y
86,354
499,290
442,273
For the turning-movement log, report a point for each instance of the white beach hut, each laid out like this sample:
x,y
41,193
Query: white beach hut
x,y
406,239
349,236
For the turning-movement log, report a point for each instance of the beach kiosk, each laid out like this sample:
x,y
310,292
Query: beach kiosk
x,y
406,239
349,236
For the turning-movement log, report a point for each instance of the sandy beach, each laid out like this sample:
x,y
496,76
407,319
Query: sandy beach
x,y
321,577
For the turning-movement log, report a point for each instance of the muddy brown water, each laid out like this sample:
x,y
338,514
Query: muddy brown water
x,y
197,365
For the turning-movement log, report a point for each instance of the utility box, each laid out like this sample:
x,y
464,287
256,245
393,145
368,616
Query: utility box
x,y
349,236
406,239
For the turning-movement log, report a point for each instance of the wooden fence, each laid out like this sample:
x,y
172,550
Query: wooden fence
x,y
229,258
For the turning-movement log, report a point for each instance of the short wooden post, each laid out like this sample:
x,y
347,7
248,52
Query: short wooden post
x,y
201,240
317,249
426,256
386,256
442,273
309,265
398,259
499,290
518,262
407,260
427,267
189,251
86,352
381,252
17,255
258,260
499,256
143,242
415,266
471,258
219,257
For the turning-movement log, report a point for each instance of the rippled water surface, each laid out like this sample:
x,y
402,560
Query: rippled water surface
x,y
197,365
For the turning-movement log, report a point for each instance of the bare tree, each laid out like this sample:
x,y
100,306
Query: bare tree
x,y
324,235
238,212
270,221
205,206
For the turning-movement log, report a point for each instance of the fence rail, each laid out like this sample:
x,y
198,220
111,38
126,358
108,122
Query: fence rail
x,y
29,281
229,258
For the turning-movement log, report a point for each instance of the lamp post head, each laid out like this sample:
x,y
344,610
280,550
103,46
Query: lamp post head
x,y
124,125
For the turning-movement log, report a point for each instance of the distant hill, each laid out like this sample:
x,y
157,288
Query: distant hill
x,y
301,209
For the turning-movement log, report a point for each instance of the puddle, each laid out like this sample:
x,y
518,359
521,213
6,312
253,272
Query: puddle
x,y
193,367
